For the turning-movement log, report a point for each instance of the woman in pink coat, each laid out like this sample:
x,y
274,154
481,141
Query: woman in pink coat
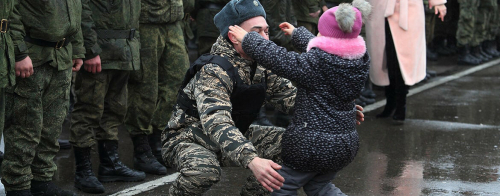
x,y
396,43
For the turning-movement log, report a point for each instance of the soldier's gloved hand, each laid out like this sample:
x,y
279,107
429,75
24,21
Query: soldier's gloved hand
x,y
265,172
93,65
24,68
360,117
77,64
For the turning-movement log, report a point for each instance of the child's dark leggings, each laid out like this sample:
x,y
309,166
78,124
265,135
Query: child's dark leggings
x,y
314,183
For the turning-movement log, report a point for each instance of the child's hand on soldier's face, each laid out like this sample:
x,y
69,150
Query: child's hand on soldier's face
x,y
238,32
287,28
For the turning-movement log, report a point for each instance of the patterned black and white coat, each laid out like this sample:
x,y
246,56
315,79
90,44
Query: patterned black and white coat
x,y
322,135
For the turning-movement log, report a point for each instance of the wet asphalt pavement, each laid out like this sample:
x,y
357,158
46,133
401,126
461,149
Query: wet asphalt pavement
x,y
449,145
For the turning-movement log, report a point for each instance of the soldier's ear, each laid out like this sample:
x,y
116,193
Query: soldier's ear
x,y
232,38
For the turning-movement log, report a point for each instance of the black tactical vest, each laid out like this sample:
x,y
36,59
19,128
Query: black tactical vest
x,y
246,99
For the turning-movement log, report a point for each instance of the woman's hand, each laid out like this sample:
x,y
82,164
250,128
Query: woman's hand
x,y
287,28
238,32
441,9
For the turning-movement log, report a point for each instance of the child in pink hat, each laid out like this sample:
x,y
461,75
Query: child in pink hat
x,y
329,74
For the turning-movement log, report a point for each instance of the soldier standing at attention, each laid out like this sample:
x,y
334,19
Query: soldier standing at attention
x,y
13,56
465,32
112,43
207,32
220,97
152,90
38,104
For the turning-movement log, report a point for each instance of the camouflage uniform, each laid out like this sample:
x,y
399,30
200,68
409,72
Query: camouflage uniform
x,y
207,32
482,16
486,11
152,90
38,104
12,49
198,147
466,22
302,8
276,13
112,35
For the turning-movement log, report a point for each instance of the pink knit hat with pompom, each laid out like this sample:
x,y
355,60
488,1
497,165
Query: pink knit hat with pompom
x,y
344,21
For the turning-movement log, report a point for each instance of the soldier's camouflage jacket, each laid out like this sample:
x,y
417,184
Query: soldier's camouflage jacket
x,y
53,20
211,88
205,17
302,8
161,11
12,47
119,54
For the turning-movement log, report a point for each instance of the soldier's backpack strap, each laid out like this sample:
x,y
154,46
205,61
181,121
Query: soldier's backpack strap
x,y
188,105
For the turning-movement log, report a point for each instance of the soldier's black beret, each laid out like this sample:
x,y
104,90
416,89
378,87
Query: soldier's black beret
x,y
236,12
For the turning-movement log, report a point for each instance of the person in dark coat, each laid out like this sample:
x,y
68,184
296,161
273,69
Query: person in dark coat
x,y
322,138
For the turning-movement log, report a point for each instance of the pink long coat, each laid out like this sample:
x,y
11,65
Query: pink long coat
x,y
407,23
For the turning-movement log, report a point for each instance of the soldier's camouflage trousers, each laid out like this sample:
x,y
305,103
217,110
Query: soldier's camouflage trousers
x,y
2,110
466,21
200,168
485,13
100,108
152,91
35,108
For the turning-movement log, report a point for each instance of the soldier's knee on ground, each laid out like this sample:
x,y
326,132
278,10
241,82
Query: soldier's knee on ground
x,y
195,181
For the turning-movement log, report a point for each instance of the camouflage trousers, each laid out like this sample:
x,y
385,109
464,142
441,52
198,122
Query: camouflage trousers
x,y
486,11
100,108
35,108
466,21
152,91
200,168
2,110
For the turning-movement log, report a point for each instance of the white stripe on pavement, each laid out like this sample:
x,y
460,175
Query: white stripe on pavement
x,y
147,185
170,178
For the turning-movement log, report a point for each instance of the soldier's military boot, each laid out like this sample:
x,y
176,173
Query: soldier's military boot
x,y
25,192
466,58
155,144
476,52
85,180
40,188
111,168
484,53
144,160
491,48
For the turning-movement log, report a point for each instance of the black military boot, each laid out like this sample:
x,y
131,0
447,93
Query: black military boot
x,y
144,159
484,53
439,46
155,144
39,188
466,58
85,180
476,52
25,192
390,104
490,47
431,55
111,168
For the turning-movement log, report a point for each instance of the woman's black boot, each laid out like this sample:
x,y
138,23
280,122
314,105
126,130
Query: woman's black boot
x,y
390,104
